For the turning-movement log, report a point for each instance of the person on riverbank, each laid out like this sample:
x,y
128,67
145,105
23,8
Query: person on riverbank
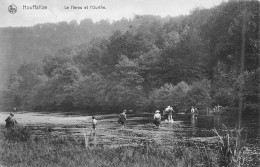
x,y
169,111
10,121
157,118
122,119
94,124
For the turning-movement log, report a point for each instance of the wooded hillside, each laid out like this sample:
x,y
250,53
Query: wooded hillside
x,y
145,63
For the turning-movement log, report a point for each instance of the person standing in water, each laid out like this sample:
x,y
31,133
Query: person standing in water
x,y
169,110
157,118
196,112
94,124
122,119
192,111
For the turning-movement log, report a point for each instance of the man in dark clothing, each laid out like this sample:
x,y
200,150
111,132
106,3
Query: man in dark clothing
x,y
122,119
10,121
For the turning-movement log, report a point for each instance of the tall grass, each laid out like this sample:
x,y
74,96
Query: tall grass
x,y
232,147
49,150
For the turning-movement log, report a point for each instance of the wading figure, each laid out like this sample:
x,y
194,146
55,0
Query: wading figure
x,y
192,111
122,119
196,112
157,118
10,121
169,111
94,124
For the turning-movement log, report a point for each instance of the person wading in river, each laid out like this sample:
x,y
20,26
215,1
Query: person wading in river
x,y
10,121
192,111
122,119
94,124
169,111
157,118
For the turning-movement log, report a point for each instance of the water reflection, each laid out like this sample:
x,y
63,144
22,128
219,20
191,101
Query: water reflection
x,y
202,125
193,121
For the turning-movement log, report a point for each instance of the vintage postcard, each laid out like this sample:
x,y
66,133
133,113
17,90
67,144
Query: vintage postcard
x,y
129,83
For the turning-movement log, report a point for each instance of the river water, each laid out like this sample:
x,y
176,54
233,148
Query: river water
x,y
202,126
139,127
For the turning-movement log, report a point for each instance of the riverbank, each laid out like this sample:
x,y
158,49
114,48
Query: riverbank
x,y
50,150
59,130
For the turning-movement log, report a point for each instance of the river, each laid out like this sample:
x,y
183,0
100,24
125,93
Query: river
x,y
139,127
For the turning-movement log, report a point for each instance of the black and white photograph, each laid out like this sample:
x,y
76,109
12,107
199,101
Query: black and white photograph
x,y
129,83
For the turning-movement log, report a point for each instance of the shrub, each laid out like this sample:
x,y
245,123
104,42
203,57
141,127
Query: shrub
x,y
169,95
17,133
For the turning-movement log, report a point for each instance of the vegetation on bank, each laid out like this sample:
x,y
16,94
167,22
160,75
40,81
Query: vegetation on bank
x,y
184,61
48,150
20,147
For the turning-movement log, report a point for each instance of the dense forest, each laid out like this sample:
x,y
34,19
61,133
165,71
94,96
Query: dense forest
x,y
32,44
209,57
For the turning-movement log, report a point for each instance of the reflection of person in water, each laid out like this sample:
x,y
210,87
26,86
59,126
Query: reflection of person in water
x,y
193,121
10,121
157,118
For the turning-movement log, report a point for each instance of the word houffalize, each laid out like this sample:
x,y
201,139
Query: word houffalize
x,y
34,7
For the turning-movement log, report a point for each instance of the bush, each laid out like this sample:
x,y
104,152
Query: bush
x,y
199,95
17,133
169,95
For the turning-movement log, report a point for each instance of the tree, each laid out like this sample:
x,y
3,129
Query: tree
x,y
128,83
199,94
90,92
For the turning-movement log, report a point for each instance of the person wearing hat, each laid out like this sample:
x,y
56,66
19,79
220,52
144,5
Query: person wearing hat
x,y
122,119
157,118
10,121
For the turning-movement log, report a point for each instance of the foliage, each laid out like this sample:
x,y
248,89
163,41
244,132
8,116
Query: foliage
x,y
232,147
250,91
149,62
66,151
170,95
199,94
17,134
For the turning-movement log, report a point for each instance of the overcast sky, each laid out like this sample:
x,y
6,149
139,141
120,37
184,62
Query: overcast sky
x,y
115,10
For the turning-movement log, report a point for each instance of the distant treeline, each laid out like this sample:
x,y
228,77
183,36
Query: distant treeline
x,y
144,64
25,44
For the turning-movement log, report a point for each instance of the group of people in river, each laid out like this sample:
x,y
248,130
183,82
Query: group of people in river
x,y
157,118
168,112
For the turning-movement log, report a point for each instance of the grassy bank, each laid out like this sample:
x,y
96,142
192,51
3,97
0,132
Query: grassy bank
x,y
23,149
